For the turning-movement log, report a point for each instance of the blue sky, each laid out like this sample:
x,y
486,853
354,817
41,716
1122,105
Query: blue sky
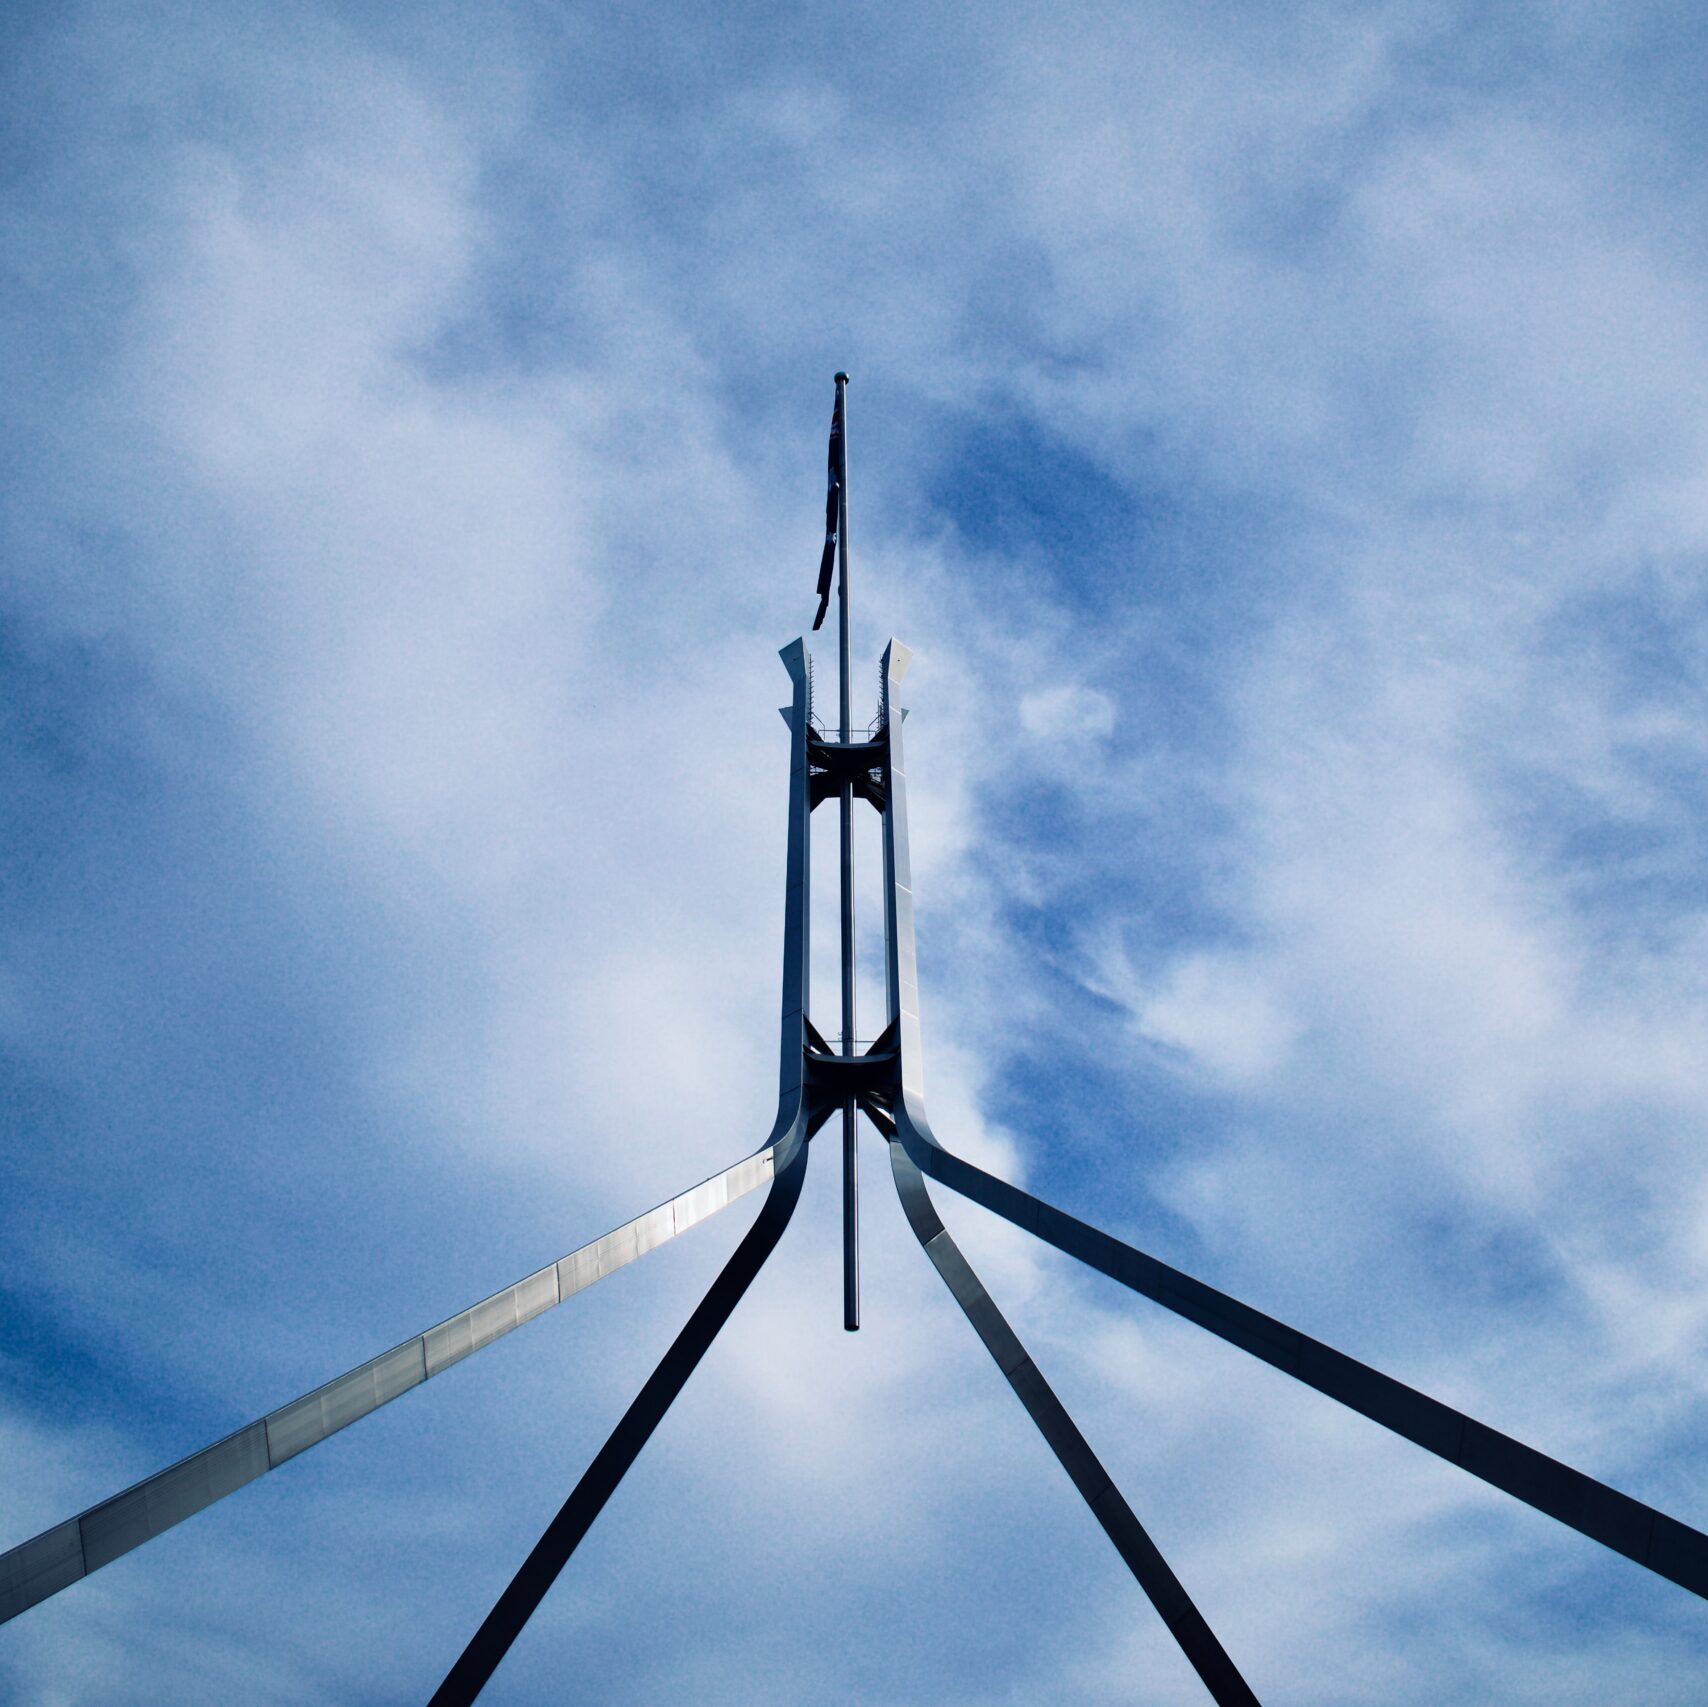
x,y
1281,435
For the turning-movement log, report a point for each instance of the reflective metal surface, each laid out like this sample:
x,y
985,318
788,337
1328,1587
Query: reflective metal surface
x,y
850,1109
816,1081
308,1420
42,1566
521,1598
491,1318
1651,1538
1073,1452
903,1109
786,1151
152,1507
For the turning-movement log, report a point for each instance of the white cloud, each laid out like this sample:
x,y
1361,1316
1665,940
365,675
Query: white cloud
x,y
1070,712
489,618
1216,1012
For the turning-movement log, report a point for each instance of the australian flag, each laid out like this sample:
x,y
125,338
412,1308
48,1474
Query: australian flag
x,y
831,507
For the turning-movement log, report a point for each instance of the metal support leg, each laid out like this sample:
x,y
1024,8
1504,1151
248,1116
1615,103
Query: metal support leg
x,y
539,1571
1652,1539
850,1216
1185,1622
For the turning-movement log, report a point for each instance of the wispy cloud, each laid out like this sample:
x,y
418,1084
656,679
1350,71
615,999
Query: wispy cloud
x,y
1282,438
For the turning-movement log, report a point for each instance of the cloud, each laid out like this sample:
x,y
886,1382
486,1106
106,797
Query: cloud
x,y
1281,439
1067,713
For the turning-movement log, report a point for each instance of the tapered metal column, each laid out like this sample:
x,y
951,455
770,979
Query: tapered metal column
x,y
850,1109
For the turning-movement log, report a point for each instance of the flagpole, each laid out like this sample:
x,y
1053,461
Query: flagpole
x,y
850,1130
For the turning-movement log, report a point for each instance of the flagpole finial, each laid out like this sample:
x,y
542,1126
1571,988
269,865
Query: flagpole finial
x,y
840,378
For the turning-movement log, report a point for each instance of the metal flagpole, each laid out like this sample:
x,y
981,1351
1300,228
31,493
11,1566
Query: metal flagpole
x,y
850,1109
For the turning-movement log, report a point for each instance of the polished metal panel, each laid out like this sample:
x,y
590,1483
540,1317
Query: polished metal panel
x,y
653,1229
1664,1545
899,1112
850,1026
154,1506
783,1162
520,1599
41,1567
814,1083
901,967
581,1268
744,1176
703,1200
1069,1445
619,1247
968,1291
490,1319
797,913
37,1568
309,1420
1648,1537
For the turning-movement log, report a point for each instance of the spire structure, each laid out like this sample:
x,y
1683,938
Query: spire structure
x,y
818,1080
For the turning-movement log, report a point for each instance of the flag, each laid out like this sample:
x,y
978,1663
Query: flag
x,y
831,506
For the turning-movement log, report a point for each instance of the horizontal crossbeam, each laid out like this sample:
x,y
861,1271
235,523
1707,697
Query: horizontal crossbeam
x,y
859,763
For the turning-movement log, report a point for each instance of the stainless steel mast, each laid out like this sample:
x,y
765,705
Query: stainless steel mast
x,y
850,1129
817,1081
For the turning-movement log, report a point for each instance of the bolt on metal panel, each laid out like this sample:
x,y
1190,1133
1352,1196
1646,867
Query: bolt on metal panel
x,y
154,1506
308,1420
42,1566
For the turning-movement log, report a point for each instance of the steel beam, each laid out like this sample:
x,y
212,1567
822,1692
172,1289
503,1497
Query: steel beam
x,y
797,1118
517,1604
850,1109
902,1104
53,1560
1649,1537
1073,1452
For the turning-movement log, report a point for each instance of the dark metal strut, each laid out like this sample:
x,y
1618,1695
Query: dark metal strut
x,y
819,1080
894,1100
503,1624
1185,1622
799,1115
1660,1543
1650,1538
